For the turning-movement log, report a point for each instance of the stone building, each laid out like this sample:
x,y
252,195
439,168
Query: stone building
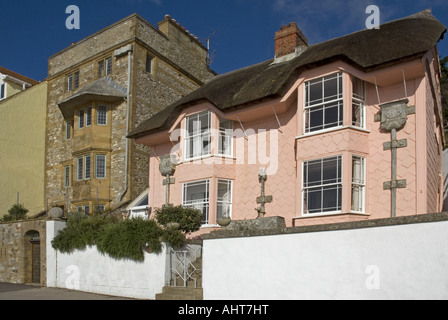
x,y
99,89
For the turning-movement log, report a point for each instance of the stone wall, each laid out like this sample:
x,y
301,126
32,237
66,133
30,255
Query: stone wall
x,y
16,261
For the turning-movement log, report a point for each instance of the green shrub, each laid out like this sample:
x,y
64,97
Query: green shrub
x,y
189,219
15,213
81,231
119,239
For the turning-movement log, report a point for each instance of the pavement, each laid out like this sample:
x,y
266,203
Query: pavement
x,y
9,291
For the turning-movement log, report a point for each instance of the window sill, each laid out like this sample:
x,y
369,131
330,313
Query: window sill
x,y
325,214
192,160
310,134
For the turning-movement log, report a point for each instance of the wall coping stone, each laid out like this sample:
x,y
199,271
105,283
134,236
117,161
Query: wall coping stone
x,y
278,230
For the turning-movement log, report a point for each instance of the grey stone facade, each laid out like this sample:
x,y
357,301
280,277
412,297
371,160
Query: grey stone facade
x,y
177,67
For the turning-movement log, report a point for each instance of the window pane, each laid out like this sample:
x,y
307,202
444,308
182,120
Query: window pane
x,y
70,82
100,166
149,64
196,195
100,69
89,116
358,102
102,115
80,168
76,79
224,199
67,176
324,100
358,183
322,185
108,66
68,126
331,88
2,91
81,118
198,135
87,167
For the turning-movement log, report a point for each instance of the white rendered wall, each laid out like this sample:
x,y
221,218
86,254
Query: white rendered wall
x,y
391,262
91,271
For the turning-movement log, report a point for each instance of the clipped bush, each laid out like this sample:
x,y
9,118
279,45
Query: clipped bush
x,y
188,218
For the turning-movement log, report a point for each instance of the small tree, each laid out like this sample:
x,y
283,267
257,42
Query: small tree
x,y
17,212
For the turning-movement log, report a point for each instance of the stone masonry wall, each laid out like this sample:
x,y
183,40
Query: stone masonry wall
x,y
15,253
177,70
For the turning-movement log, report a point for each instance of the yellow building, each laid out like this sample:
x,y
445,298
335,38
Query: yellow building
x,y
22,142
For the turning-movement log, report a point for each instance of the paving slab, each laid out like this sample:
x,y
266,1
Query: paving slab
x,y
9,291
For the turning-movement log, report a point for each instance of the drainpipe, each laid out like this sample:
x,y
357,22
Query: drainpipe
x,y
128,50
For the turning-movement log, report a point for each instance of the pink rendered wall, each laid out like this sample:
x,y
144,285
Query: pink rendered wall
x,y
433,134
419,162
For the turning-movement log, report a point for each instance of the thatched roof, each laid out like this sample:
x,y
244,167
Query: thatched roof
x,y
398,40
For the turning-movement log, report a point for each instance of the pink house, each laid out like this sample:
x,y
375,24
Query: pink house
x,y
347,129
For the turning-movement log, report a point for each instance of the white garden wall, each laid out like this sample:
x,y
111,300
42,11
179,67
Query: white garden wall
x,y
406,261
91,271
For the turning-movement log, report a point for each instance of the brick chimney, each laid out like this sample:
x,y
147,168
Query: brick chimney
x,y
289,39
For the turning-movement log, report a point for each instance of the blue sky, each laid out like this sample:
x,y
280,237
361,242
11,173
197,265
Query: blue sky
x,y
33,30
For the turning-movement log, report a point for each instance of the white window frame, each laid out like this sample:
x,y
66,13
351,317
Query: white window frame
x,y
313,106
149,63
108,65
338,185
358,183
199,203
2,91
360,101
225,134
197,137
102,166
70,82
224,202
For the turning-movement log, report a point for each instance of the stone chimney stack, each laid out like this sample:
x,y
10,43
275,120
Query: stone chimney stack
x,y
289,40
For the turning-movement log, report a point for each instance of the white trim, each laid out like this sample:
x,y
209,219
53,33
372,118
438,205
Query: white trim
x,y
309,134
231,196
303,214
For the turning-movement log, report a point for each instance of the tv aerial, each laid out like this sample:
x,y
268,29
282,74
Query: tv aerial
x,y
210,57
